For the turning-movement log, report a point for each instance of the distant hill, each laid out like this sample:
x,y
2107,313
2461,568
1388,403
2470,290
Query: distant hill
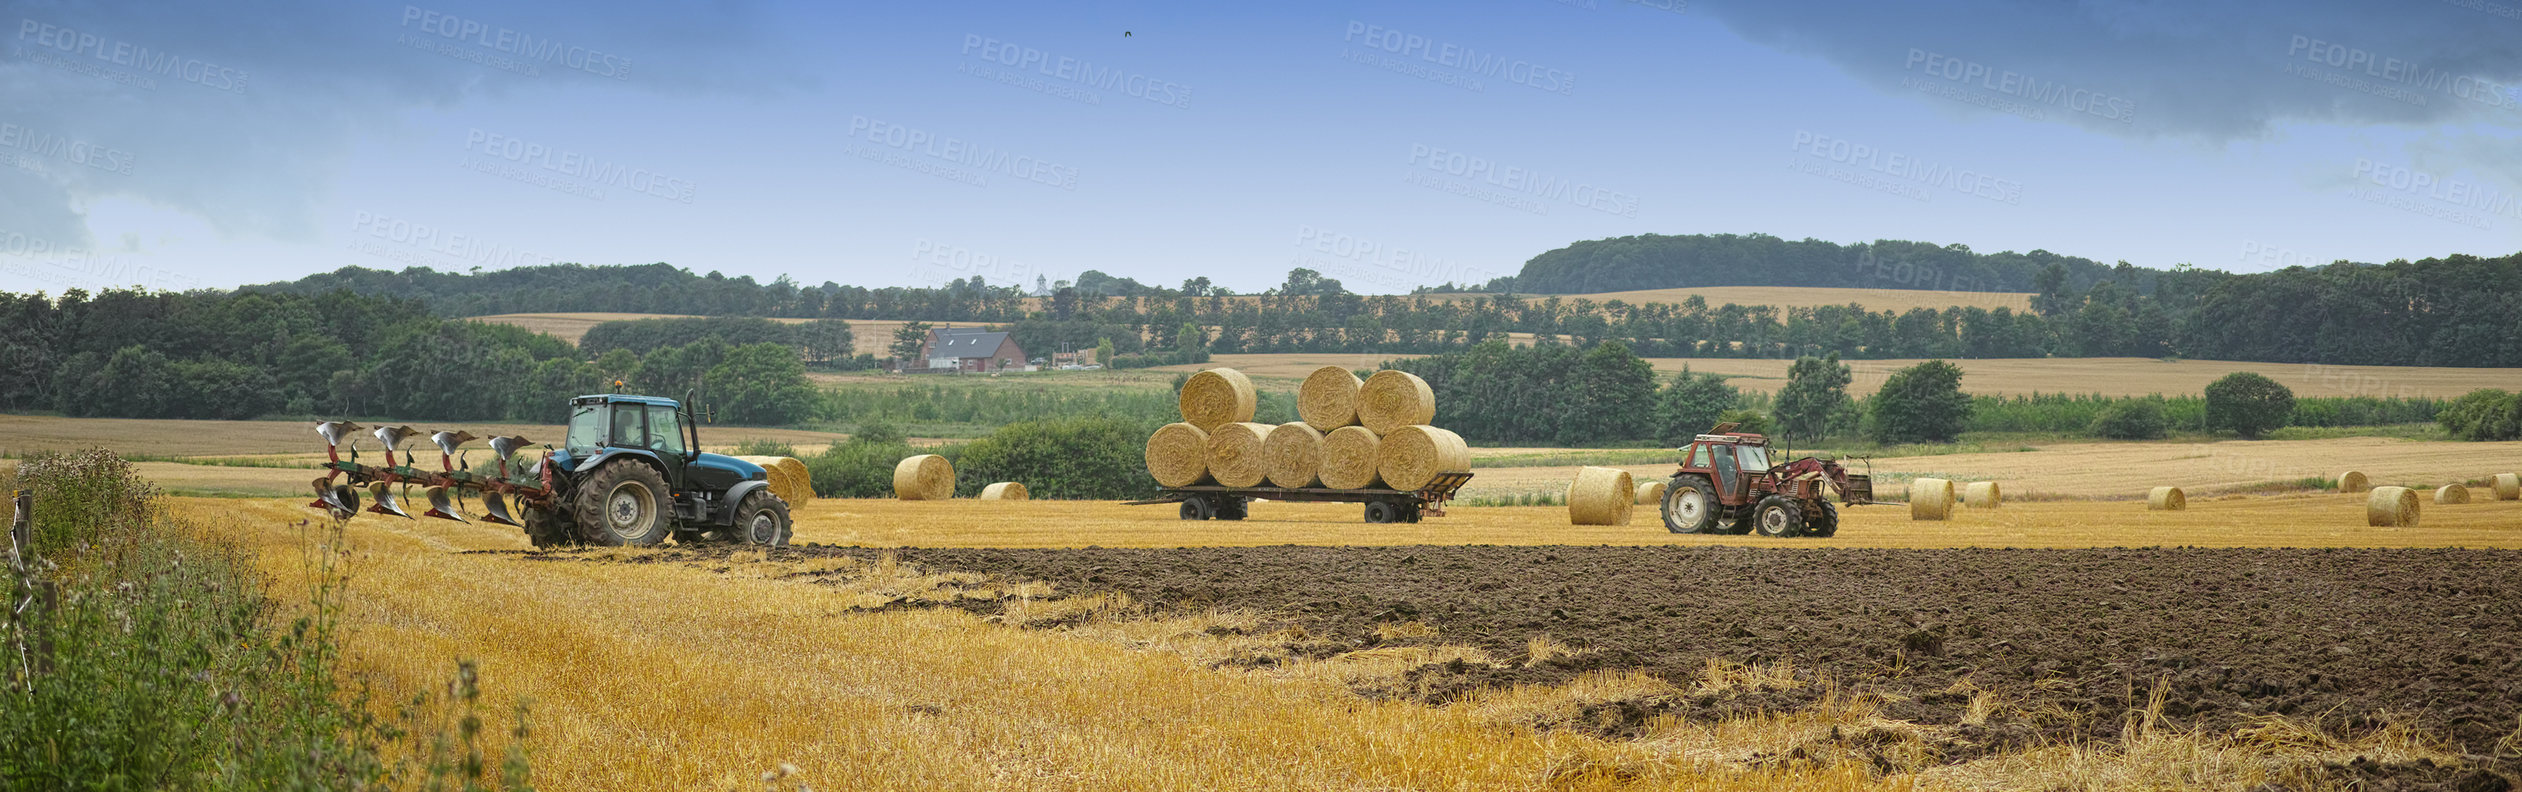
x,y
1656,261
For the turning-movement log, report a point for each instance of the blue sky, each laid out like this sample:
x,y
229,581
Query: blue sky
x,y
1389,145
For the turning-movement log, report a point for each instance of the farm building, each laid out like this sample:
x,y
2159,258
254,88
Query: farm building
x,y
971,349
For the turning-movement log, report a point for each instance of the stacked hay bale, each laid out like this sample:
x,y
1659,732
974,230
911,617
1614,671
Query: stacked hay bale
x,y
1353,434
2390,507
1930,499
789,479
924,477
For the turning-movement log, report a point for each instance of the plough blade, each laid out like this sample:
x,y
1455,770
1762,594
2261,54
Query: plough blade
x,y
386,502
495,510
334,431
442,505
447,441
507,447
394,437
339,499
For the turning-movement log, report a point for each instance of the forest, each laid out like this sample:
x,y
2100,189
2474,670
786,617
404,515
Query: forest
x,y
2454,311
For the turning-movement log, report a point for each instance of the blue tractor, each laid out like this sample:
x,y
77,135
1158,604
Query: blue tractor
x,y
629,473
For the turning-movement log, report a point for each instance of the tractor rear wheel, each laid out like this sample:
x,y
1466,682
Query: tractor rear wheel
x,y
1690,505
1778,516
1822,520
624,505
762,519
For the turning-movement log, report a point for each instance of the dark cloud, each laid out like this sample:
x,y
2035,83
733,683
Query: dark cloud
x,y
2213,71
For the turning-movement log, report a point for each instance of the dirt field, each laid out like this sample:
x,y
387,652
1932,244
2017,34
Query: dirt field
x,y
2128,470
2006,648
2016,376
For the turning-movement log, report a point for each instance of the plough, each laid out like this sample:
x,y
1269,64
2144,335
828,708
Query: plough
x,y
390,485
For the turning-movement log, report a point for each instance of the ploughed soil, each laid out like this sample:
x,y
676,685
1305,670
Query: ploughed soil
x,y
2071,641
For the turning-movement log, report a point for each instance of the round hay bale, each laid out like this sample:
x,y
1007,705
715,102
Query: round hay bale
x,y
1006,490
1412,457
1234,454
2354,481
1177,455
1328,399
2451,493
789,479
2166,499
1930,499
1651,492
2390,507
1982,495
1216,397
1292,455
2508,486
1394,399
1600,496
924,477
1350,455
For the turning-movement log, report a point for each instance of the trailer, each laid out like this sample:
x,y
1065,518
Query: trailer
x,y
1215,502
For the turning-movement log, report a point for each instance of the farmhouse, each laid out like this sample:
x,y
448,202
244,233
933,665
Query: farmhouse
x,y
971,349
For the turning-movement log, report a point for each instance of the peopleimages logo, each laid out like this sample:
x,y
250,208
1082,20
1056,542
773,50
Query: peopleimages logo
x,y
1080,73
1464,59
58,39
524,46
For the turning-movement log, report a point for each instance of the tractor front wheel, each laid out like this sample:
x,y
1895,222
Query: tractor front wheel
x,y
1822,521
1690,505
624,505
762,519
1778,516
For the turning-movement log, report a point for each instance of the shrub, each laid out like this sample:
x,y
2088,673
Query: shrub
x,y
2483,414
1087,458
2134,419
2248,403
1921,403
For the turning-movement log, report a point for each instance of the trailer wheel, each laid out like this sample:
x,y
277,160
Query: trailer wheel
x,y
1410,513
1778,516
1230,507
1382,512
1196,509
1690,505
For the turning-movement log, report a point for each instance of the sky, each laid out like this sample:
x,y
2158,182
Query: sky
x,y
181,145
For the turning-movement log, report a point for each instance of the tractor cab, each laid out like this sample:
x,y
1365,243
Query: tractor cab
x,y
1731,460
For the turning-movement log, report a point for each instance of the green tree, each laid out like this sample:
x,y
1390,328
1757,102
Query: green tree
x,y
909,339
1815,394
2248,403
1103,352
2483,414
1187,345
1691,404
762,384
1611,398
1085,458
1921,403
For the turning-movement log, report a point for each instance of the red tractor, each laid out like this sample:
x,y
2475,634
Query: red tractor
x,y
1727,485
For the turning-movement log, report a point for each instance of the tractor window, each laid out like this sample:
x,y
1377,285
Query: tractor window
x,y
1755,459
586,429
1698,456
630,426
665,431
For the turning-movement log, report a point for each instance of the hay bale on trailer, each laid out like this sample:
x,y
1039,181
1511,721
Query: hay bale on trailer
x,y
2390,507
1982,495
1393,399
1413,456
1328,399
1292,455
1234,454
1600,496
924,477
1650,493
1177,455
1006,490
1350,457
1930,499
2166,499
2354,481
1216,397
2451,493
